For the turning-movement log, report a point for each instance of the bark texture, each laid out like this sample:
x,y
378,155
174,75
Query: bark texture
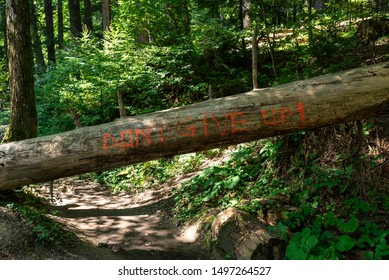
x,y
325,100
60,23
50,42
23,122
88,19
37,45
106,13
244,238
75,17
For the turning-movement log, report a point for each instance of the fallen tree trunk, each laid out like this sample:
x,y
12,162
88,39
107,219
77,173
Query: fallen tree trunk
x,y
325,100
243,237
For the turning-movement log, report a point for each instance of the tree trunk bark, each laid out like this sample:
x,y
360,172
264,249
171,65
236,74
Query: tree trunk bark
x,y
88,15
49,31
37,45
106,12
325,100
76,118
60,24
254,44
244,238
310,27
23,122
75,18
4,30
267,35
122,108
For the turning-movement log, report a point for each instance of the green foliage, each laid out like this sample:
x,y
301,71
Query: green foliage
x,y
47,232
224,186
326,219
138,177
4,87
323,241
135,178
4,118
87,79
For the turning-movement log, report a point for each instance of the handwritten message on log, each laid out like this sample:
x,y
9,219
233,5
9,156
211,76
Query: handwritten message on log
x,y
230,124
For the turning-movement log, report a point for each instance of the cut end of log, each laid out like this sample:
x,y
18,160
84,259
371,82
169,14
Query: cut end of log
x,y
243,237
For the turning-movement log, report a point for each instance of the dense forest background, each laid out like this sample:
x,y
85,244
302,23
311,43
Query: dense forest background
x,y
324,191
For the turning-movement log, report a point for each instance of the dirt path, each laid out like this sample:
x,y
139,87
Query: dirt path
x,y
137,226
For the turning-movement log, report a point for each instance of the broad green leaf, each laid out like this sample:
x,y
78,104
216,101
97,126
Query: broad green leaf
x,y
231,183
344,243
308,243
350,226
209,182
293,252
233,202
330,219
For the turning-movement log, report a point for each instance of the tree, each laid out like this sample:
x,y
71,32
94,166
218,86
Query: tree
x,y
23,123
255,57
4,29
267,36
106,11
49,31
88,15
37,45
75,18
310,19
244,19
60,24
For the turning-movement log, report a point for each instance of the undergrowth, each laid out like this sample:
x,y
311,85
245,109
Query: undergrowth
x,y
324,191
138,177
34,211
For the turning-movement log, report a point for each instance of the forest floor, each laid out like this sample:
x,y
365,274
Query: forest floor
x,y
106,225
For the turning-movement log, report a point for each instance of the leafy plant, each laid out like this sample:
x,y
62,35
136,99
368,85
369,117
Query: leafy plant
x,y
244,175
34,210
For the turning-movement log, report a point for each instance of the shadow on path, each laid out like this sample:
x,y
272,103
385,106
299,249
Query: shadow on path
x,y
137,226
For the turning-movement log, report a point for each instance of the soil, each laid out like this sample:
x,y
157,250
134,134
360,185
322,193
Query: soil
x,y
107,226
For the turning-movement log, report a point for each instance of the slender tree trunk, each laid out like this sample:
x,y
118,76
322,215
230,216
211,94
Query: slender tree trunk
x,y
37,45
310,28
88,15
186,16
76,118
241,22
122,108
60,23
50,42
106,11
4,30
269,41
349,14
23,122
75,18
294,13
254,44
246,15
